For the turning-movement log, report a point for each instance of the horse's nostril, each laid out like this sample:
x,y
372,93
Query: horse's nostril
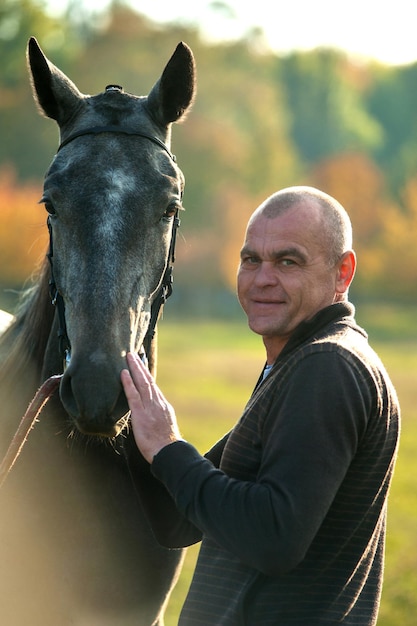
x,y
67,396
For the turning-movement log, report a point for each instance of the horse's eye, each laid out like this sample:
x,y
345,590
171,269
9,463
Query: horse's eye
x,y
48,205
170,211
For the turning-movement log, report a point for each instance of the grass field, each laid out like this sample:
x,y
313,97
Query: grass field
x,y
207,370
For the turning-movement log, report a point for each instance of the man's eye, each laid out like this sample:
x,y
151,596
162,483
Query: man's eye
x,y
249,260
287,262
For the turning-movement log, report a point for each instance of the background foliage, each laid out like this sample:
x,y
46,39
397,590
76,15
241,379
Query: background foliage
x,y
260,122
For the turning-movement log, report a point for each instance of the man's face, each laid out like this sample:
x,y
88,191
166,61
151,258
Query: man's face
x,y
284,274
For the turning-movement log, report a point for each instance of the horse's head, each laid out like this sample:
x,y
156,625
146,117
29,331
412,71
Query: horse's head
x,y
112,193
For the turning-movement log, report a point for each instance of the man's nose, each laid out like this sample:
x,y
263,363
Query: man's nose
x,y
266,274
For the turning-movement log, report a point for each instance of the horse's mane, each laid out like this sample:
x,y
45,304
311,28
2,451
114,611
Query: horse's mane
x,y
27,336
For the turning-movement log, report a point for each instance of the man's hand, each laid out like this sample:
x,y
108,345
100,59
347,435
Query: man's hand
x,y
153,418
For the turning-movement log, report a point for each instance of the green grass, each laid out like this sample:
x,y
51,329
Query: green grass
x,y
399,600
207,371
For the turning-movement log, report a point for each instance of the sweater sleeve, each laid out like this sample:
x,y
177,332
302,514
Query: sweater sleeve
x,y
308,440
169,525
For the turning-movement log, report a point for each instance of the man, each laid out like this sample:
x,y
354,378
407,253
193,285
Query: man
x,y
291,504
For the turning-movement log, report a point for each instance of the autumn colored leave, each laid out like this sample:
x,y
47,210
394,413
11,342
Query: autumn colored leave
x,y
23,233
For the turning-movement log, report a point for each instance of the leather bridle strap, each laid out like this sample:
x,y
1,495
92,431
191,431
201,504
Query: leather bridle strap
x,y
58,301
165,289
96,130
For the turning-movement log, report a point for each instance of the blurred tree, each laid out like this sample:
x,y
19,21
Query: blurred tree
x,y
26,142
236,207
399,246
126,48
19,19
392,102
328,114
23,233
359,186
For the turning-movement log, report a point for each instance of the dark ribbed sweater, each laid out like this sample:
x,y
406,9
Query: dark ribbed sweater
x,y
292,503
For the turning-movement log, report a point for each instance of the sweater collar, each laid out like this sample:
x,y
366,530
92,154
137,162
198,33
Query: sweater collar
x,y
342,313
339,312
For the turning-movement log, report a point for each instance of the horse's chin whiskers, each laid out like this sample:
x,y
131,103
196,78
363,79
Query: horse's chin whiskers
x,y
74,436
124,424
112,443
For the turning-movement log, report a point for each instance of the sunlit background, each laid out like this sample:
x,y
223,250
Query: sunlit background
x,y
368,29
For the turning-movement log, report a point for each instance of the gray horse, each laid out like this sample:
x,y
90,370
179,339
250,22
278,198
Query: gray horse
x,y
75,545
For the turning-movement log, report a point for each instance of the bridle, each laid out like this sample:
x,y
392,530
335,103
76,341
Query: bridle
x,y
164,289
95,130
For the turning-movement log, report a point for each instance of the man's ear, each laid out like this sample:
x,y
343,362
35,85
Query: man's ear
x,y
345,272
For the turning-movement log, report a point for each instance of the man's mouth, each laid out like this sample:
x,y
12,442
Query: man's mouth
x,y
263,302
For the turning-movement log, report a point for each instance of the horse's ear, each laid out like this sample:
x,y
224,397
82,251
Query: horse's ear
x,y
55,94
173,94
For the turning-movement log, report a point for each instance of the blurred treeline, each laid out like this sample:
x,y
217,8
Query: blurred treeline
x,y
260,122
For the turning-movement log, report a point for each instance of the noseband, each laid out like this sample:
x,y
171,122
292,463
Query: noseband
x,y
165,288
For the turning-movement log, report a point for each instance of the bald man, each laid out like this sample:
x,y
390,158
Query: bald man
x,y
291,504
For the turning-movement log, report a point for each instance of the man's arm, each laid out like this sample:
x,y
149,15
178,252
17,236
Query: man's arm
x,y
308,442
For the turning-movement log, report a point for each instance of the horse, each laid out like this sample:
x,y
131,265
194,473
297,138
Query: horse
x,y
76,547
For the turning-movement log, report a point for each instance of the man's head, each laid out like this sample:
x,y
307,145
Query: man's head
x,y
296,260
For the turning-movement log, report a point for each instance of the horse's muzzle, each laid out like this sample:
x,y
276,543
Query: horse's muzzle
x,y
95,402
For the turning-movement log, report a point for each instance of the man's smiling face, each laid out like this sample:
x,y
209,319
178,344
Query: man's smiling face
x,y
285,276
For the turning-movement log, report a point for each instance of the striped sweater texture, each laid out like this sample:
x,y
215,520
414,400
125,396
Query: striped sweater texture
x,y
291,505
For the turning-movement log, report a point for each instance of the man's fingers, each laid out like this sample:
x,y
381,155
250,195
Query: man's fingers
x,y
130,389
140,374
142,379
153,419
